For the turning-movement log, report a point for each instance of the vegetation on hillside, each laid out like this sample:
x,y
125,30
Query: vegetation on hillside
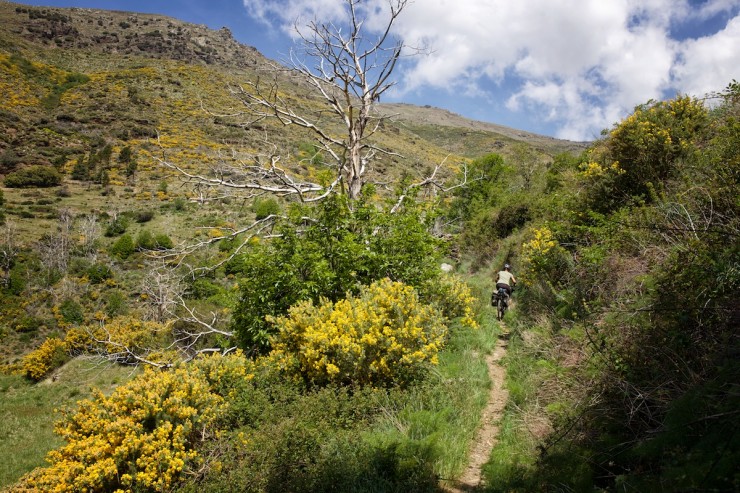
x,y
342,355
623,372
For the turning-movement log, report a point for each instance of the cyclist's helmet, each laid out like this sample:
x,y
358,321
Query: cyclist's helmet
x,y
507,266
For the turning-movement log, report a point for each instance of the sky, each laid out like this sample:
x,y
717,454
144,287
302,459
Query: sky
x,y
563,68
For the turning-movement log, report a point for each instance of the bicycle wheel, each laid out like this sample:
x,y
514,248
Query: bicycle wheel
x,y
500,308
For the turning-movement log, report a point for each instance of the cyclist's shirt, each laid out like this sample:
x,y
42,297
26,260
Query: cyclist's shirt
x,y
505,277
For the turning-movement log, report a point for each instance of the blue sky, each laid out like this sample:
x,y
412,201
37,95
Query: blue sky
x,y
564,68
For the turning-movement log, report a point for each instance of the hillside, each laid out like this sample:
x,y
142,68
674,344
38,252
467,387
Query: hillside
x,y
152,73
205,331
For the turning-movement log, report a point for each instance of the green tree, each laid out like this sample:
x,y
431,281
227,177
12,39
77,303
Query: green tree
x,y
333,254
81,169
126,155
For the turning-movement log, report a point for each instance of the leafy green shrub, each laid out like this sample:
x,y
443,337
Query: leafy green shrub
x,y
163,242
329,257
144,216
123,247
147,241
63,191
383,337
34,176
117,226
98,273
17,281
28,324
81,169
483,190
263,208
71,312
115,303
204,288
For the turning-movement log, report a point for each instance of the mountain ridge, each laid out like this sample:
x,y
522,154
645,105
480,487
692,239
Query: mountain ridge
x,y
133,34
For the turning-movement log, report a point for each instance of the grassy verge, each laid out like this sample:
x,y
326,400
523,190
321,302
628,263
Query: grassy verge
x,y
446,413
27,412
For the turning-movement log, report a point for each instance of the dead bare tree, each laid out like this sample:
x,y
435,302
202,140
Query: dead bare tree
x,y
161,289
55,248
348,73
90,233
9,250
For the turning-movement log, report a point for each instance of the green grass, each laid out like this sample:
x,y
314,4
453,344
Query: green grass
x,y
27,411
446,412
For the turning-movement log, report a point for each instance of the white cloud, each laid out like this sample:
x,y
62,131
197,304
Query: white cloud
x,y
580,64
710,63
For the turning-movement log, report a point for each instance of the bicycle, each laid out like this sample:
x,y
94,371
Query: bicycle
x,y
500,299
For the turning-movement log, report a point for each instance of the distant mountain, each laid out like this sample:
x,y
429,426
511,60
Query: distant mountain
x,y
73,79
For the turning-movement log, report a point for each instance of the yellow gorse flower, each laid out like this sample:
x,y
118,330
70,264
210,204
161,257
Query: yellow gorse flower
x,y
384,336
139,438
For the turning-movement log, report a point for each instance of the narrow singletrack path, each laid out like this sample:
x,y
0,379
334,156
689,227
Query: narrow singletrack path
x,y
487,435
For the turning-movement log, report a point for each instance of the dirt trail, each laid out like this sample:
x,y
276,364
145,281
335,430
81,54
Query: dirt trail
x,y
487,435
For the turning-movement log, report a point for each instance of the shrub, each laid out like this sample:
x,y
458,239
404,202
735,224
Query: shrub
x,y
452,297
645,148
34,176
328,257
117,226
147,241
39,362
123,247
78,340
542,258
98,273
163,242
140,438
115,303
382,337
124,339
71,312
144,216
203,288
265,208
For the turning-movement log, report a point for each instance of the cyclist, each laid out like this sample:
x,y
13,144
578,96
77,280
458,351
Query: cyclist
x,y
505,279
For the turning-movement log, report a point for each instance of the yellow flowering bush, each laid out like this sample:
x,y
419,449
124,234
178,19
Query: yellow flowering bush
x,y
224,374
384,336
542,257
140,438
453,297
125,338
78,340
646,146
49,355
